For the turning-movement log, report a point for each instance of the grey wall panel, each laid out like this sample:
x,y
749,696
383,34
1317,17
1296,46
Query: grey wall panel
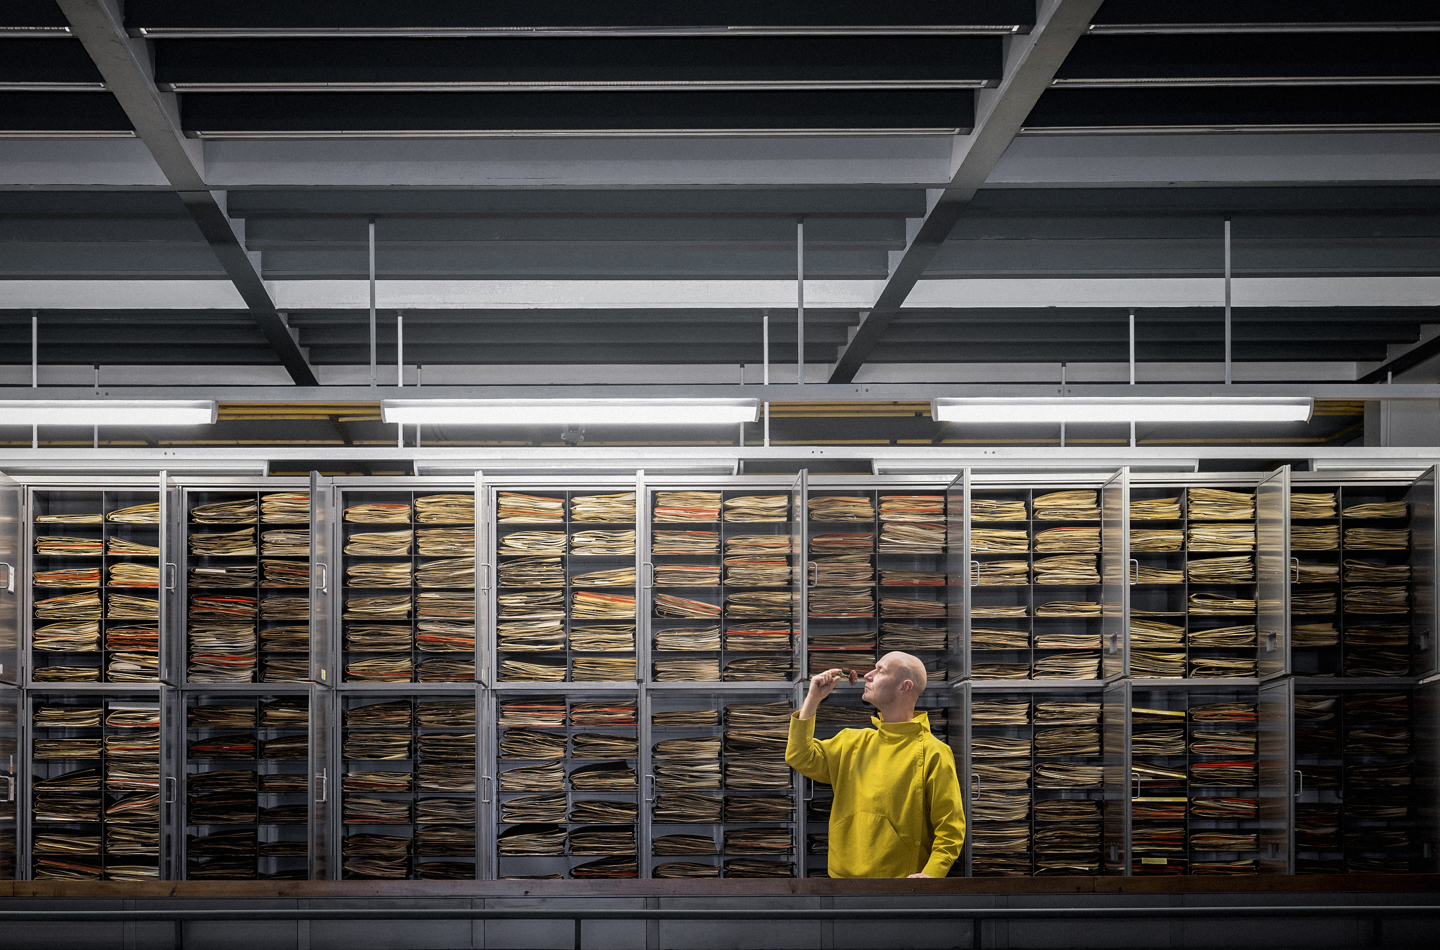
x,y
391,935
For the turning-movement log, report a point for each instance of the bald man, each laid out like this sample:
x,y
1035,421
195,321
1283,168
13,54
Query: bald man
x,y
897,799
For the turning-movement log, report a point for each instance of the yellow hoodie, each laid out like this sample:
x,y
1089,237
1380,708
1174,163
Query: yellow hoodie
x,y
897,798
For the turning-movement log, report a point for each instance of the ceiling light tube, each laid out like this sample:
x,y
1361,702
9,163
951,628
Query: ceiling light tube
x,y
107,412
524,412
1082,409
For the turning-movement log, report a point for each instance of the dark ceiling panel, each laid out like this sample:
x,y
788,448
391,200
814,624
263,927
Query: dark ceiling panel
x,y
1162,258
1226,108
85,261
848,202
45,61
24,15
557,259
262,232
1250,57
1041,351
160,15
1239,13
61,113
213,114
582,61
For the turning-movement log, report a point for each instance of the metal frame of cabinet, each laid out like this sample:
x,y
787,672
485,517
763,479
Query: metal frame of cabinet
x,y
328,693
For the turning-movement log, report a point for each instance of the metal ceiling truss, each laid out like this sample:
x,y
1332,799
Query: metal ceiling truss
x,y
155,115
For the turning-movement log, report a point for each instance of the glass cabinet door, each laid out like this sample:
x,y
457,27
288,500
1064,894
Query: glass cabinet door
x,y
1115,747
323,634
1115,575
1276,748
1273,568
323,784
1421,499
957,574
12,549
10,700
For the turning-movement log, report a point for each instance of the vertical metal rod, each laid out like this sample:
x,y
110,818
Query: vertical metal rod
x,y
767,425
400,351
399,435
95,443
419,381
34,369
1227,301
1132,346
765,343
1062,393
800,300
417,435
742,435
1132,434
373,381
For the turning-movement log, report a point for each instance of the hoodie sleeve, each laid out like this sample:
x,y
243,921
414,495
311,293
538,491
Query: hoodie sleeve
x,y
942,788
806,754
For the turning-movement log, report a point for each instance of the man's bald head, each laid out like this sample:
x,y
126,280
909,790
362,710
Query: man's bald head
x,y
894,685
912,668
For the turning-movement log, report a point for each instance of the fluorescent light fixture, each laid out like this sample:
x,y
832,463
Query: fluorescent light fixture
x,y
570,465
1100,468
530,412
1081,409
107,412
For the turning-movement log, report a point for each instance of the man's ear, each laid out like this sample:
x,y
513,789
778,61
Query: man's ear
x,y
907,686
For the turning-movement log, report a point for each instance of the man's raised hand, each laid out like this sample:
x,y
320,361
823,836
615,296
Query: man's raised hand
x,y
822,683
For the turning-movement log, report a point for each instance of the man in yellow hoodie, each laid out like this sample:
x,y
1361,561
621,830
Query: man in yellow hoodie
x,y
897,809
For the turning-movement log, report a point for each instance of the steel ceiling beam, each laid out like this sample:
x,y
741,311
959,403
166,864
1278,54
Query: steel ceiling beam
x,y
126,66
1031,62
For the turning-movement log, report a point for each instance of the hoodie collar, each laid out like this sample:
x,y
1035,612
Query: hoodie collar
x,y
903,730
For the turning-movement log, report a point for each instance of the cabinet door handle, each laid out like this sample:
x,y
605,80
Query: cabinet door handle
x,y
9,577
1135,571
1294,570
324,776
1299,783
172,575
323,582
174,786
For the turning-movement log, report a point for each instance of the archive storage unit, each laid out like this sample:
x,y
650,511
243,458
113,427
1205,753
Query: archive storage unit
x,y
247,787
406,786
590,676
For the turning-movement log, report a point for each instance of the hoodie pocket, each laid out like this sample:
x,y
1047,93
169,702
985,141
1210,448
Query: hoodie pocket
x,y
866,844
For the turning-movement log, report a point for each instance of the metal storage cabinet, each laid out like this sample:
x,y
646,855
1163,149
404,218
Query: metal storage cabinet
x,y
245,785
567,773
11,757
1034,608
1033,778
95,558
1192,577
723,803
593,527
404,580
404,799
95,787
1182,791
694,555
1362,576
245,586
13,545
1364,767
